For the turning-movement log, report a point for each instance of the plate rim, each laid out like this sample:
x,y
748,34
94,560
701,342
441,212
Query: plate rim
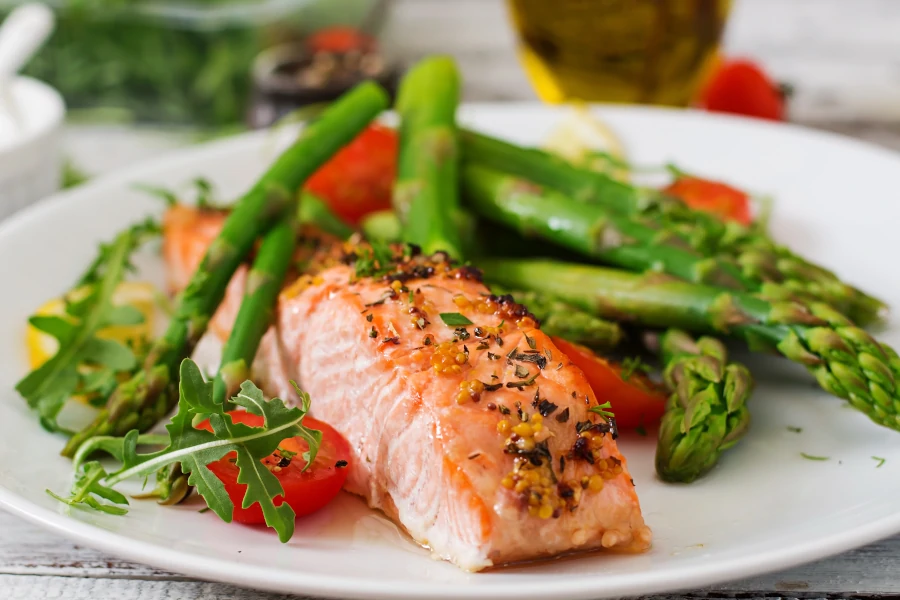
x,y
279,580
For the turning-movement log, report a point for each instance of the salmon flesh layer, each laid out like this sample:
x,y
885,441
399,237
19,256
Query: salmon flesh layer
x,y
469,427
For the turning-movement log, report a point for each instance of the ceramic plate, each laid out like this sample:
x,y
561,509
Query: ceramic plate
x,y
764,508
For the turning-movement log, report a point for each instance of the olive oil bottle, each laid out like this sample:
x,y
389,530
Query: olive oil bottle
x,y
634,51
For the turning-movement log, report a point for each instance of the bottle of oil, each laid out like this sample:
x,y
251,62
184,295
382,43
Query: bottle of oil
x,y
634,51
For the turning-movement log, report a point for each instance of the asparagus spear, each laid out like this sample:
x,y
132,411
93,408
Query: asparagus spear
x,y
382,226
425,194
845,360
315,211
563,320
256,313
153,391
257,309
588,229
706,413
758,257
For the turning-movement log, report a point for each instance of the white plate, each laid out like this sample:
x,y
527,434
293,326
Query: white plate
x,y
764,508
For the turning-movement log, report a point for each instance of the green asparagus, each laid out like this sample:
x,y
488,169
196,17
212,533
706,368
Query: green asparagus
x,y
426,191
153,391
382,226
257,309
759,258
588,229
314,211
563,320
706,412
253,319
845,360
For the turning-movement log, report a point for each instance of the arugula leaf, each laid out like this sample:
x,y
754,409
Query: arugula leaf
x,y
114,446
88,487
137,234
88,309
196,448
49,386
205,194
455,319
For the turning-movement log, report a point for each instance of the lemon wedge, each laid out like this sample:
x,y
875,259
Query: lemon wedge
x,y
140,295
584,139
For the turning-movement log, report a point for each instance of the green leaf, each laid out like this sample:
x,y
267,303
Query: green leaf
x,y
123,315
48,387
59,328
194,449
812,457
603,410
109,353
88,487
455,319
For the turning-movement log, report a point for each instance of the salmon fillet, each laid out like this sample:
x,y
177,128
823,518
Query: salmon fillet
x,y
469,428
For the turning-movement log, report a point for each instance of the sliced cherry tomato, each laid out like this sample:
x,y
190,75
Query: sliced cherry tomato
x,y
741,87
636,401
304,491
359,179
713,197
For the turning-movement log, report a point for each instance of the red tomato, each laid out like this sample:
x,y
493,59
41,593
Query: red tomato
x,y
741,87
635,402
359,179
339,39
713,197
304,491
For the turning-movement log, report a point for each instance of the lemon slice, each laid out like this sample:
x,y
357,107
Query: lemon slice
x,y
586,140
141,295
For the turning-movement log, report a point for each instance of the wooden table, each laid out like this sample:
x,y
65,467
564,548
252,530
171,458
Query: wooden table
x,y
843,59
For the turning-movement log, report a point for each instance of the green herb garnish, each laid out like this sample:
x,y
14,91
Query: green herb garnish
x,y
880,460
603,410
84,362
631,365
196,448
811,457
379,260
455,319
793,429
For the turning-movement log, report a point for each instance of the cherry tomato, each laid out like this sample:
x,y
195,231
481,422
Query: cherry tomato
x,y
304,491
741,87
339,39
635,402
359,179
713,197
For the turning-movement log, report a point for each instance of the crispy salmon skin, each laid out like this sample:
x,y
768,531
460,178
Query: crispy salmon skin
x,y
469,427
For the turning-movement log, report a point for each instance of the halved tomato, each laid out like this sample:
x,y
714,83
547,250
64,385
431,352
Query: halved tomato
x,y
304,491
359,179
714,197
635,400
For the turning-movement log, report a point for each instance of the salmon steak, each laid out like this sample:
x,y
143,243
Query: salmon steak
x,y
469,428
